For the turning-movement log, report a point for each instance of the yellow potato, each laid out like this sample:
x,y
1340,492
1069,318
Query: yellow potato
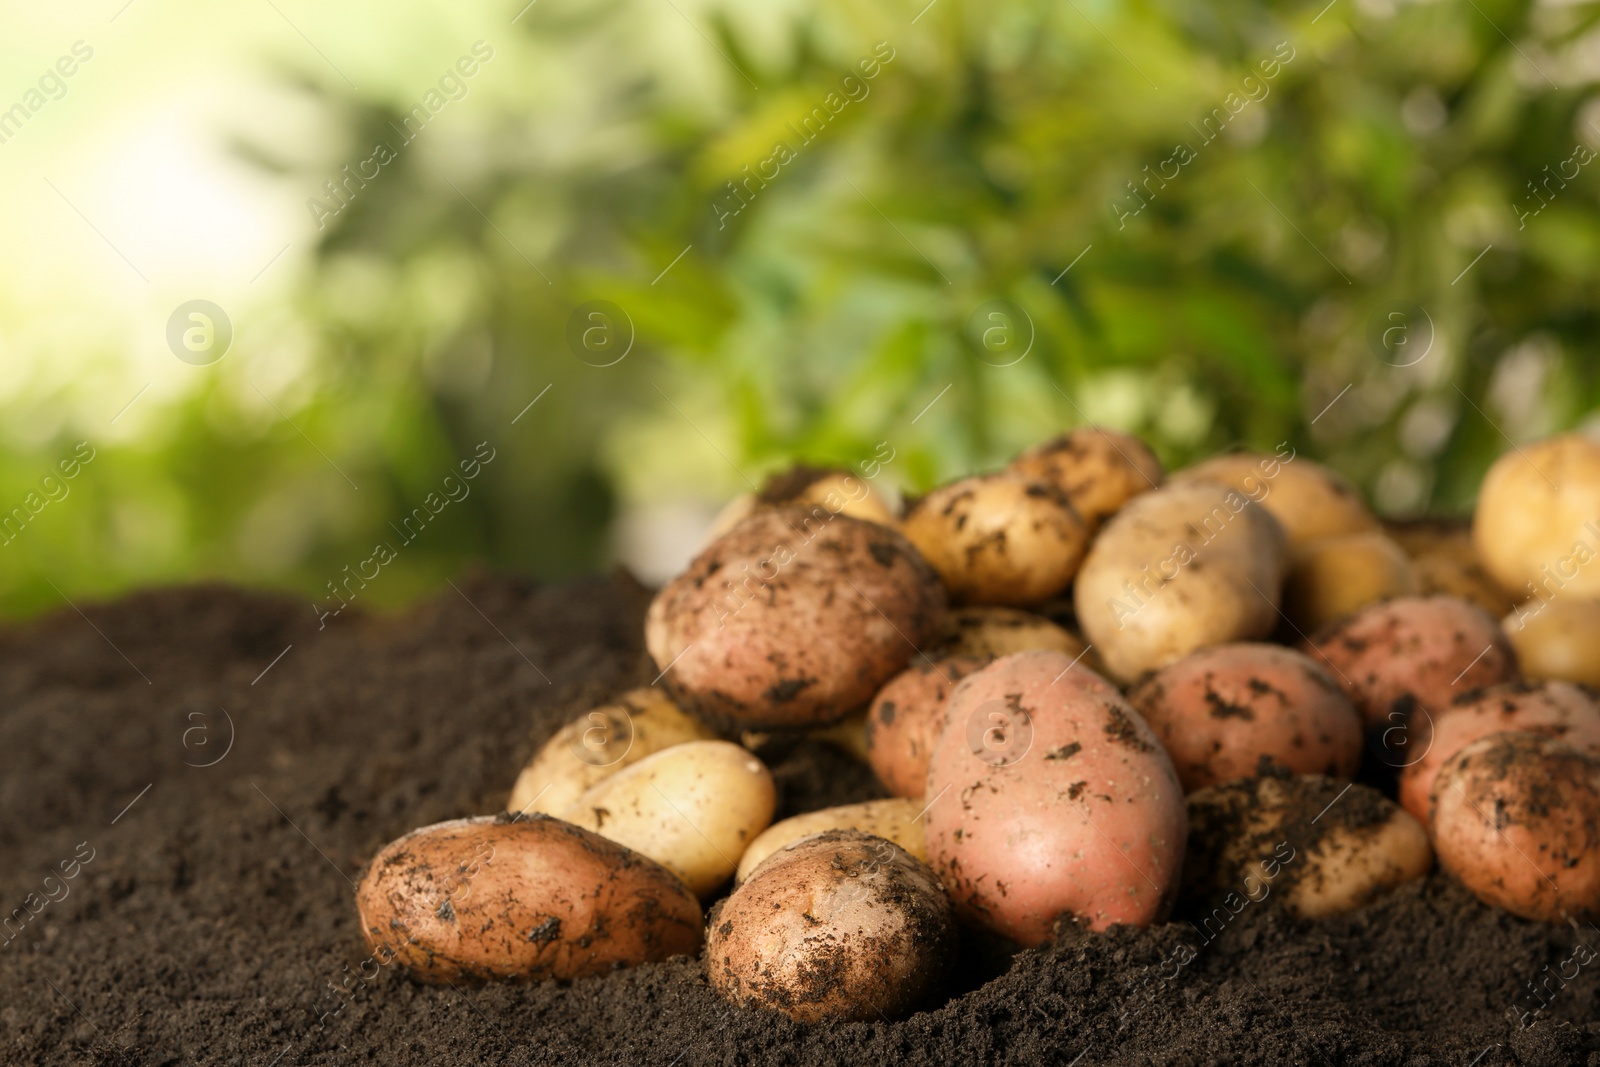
x,y
840,491
1308,499
1335,576
894,820
1559,641
987,630
1444,561
1098,469
1537,523
692,808
849,735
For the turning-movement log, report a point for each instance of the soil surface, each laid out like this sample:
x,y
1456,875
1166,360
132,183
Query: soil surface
x,y
193,778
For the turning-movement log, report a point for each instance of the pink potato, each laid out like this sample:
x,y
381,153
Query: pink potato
x,y
1220,711
907,717
1415,650
1051,798
1515,817
1555,709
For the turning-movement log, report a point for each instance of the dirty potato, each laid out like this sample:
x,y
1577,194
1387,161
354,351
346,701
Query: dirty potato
x,y
840,491
1098,469
1445,563
895,819
906,718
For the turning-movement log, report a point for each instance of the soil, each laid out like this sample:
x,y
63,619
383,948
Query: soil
x,y
173,899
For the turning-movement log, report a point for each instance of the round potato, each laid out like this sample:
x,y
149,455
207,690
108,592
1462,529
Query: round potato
x,y
1555,709
793,620
1333,577
1177,569
1098,469
840,491
895,819
1558,639
1309,500
906,718
598,744
1049,796
1219,712
692,808
1516,819
838,926
1413,650
1322,846
998,538
520,898
1535,526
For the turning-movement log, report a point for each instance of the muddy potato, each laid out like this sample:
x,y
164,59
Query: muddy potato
x,y
1555,709
1049,796
1220,711
1413,650
1516,819
895,819
1320,846
1537,523
598,744
906,718
1333,577
840,491
989,630
1309,500
792,620
692,808
841,925
1177,569
520,898
1559,640
1098,469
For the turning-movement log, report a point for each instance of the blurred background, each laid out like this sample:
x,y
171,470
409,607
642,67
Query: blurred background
x,y
625,258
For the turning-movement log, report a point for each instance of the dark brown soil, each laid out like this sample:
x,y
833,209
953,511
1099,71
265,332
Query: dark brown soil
x,y
213,920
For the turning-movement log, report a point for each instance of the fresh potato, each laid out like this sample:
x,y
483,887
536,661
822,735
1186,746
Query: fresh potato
x,y
1333,577
520,898
837,926
1219,712
1098,469
895,819
794,619
1555,709
598,744
692,808
1177,569
1445,563
906,718
1324,847
1050,796
1559,640
999,538
1535,527
1309,500
988,630
840,491
1516,818
1413,650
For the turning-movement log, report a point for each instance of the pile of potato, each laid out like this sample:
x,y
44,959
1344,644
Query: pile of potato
x,y
1093,693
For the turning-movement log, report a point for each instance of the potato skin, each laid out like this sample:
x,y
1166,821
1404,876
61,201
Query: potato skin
x,y
1559,639
1516,819
1049,797
990,630
1445,563
1554,709
837,926
1413,650
1535,519
1177,569
840,491
1098,469
1220,711
907,717
893,819
1337,576
523,899
792,620
1309,500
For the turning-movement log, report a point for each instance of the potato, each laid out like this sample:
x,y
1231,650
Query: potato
x,y
501,896
1559,640
840,491
1050,796
1323,846
1445,563
1098,469
1535,526
1554,709
1220,711
1308,499
598,744
1333,577
1413,650
895,819
692,808
988,630
849,735
906,718
794,619
1516,819
1179,568
838,926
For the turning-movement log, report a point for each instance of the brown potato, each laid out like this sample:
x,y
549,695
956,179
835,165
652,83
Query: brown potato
x,y
1537,523
894,819
1516,818
1309,500
1559,640
839,491
1333,577
907,717
838,926
1098,469
1219,712
999,538
793,620
524,899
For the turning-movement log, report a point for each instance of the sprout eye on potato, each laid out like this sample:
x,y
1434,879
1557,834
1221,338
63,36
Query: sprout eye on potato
x,y
1099,470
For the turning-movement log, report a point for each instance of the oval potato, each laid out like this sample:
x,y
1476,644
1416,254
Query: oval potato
x,y
906,718
894,819
1098,469
1334,577
1535,526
